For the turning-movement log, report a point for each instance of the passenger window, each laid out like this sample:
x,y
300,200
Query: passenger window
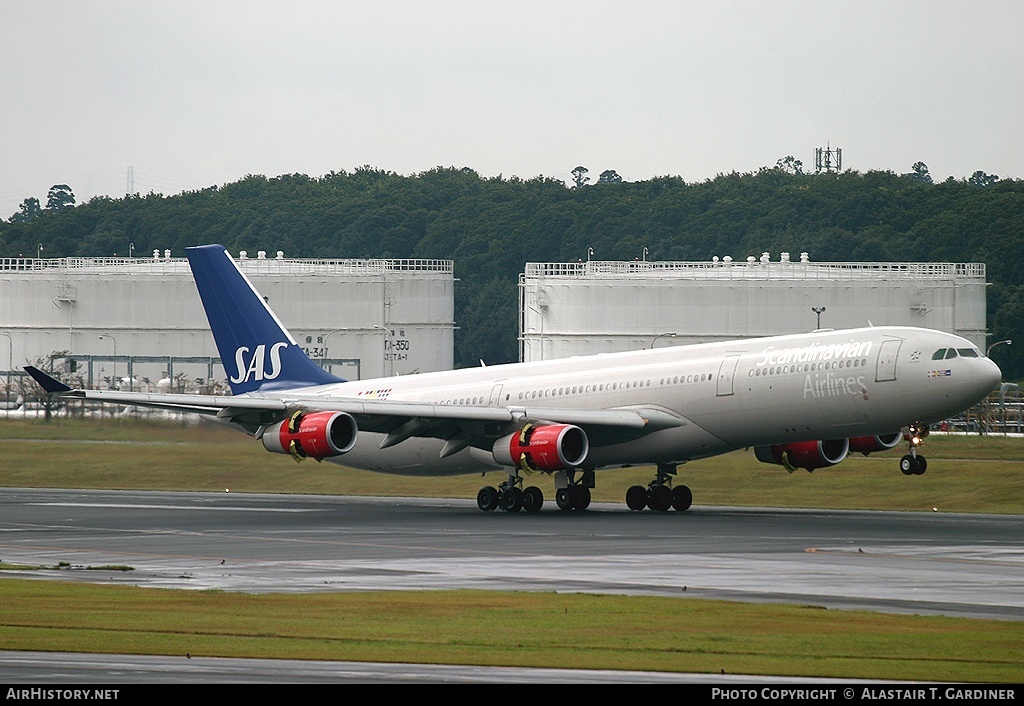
x,y
939,354
951,353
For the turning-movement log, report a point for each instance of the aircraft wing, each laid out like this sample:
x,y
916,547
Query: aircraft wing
x,y
399,420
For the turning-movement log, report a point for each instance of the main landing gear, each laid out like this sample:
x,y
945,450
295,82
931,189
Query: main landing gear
x,y
659,494
572,493
510,497
913,464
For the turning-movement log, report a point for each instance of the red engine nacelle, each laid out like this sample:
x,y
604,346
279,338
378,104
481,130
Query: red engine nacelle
x,y
870,444
805,454
314,435
548,447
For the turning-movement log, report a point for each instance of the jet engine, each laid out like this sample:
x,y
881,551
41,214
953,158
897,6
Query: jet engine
x,y
871,444
544,447
316,435
804,454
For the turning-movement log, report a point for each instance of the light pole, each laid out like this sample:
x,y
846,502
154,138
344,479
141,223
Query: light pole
x,y
988,352
817,310
114,378
326,336
10,364
388,349
988,399
670,334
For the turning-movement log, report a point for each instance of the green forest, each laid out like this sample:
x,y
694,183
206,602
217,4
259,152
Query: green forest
x,y
491,226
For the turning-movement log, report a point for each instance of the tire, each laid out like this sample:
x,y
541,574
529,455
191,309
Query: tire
x,y
908,465
563,498
512,500
580,497
487,499
636,498
660,498
922,466
682,498
533,499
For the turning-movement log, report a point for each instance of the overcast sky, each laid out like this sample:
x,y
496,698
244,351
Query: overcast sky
x,y
192,94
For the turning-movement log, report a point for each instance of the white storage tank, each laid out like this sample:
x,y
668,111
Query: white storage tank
x,y
569,309
362,318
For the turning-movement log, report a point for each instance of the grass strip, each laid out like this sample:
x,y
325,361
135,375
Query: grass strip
x,y
965,474
510,629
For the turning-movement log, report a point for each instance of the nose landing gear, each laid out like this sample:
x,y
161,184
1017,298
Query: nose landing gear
x,y
913,464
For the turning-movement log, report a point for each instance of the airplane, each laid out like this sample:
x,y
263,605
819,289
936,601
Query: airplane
x,y
11,405
802,401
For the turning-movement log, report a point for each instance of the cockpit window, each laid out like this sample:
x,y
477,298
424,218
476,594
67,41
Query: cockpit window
x,y
939,354
951,353
967,352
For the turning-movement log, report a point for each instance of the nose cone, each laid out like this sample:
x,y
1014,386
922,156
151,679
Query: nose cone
x,y
986,376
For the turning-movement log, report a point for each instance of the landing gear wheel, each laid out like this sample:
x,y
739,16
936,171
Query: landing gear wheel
x,y
682,498
660,498
563,498
922,466
636,498
580,497
575,497
909,465
533,499
487,499
512,500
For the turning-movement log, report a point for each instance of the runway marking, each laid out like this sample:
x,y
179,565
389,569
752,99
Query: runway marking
x,y
247,537
930,557
133,506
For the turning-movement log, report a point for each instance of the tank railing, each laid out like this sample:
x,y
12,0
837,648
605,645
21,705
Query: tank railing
x,y
290,266
759,270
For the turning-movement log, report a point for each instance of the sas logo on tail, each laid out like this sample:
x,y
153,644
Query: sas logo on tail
x,y
254,368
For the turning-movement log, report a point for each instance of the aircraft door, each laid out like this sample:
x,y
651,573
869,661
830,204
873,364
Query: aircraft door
x,y
495,399
885,370
726,373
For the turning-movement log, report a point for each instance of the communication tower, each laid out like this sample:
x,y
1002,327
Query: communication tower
x,y
828,159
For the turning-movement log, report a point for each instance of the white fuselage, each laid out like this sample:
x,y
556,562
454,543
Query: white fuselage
x,y
728,395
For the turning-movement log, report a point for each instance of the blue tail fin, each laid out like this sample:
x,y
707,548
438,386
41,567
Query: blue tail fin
x,y
257,351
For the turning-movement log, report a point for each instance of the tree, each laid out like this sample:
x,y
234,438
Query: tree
x,y
920,173
60,197
980,178
609,176
579,176
28,210
790,165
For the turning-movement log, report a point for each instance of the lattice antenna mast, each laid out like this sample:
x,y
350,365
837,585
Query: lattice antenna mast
x,y
828,159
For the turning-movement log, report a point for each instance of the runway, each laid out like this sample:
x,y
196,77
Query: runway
x,y
925,563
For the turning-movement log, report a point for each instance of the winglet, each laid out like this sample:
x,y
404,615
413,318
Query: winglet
x,y
45,381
